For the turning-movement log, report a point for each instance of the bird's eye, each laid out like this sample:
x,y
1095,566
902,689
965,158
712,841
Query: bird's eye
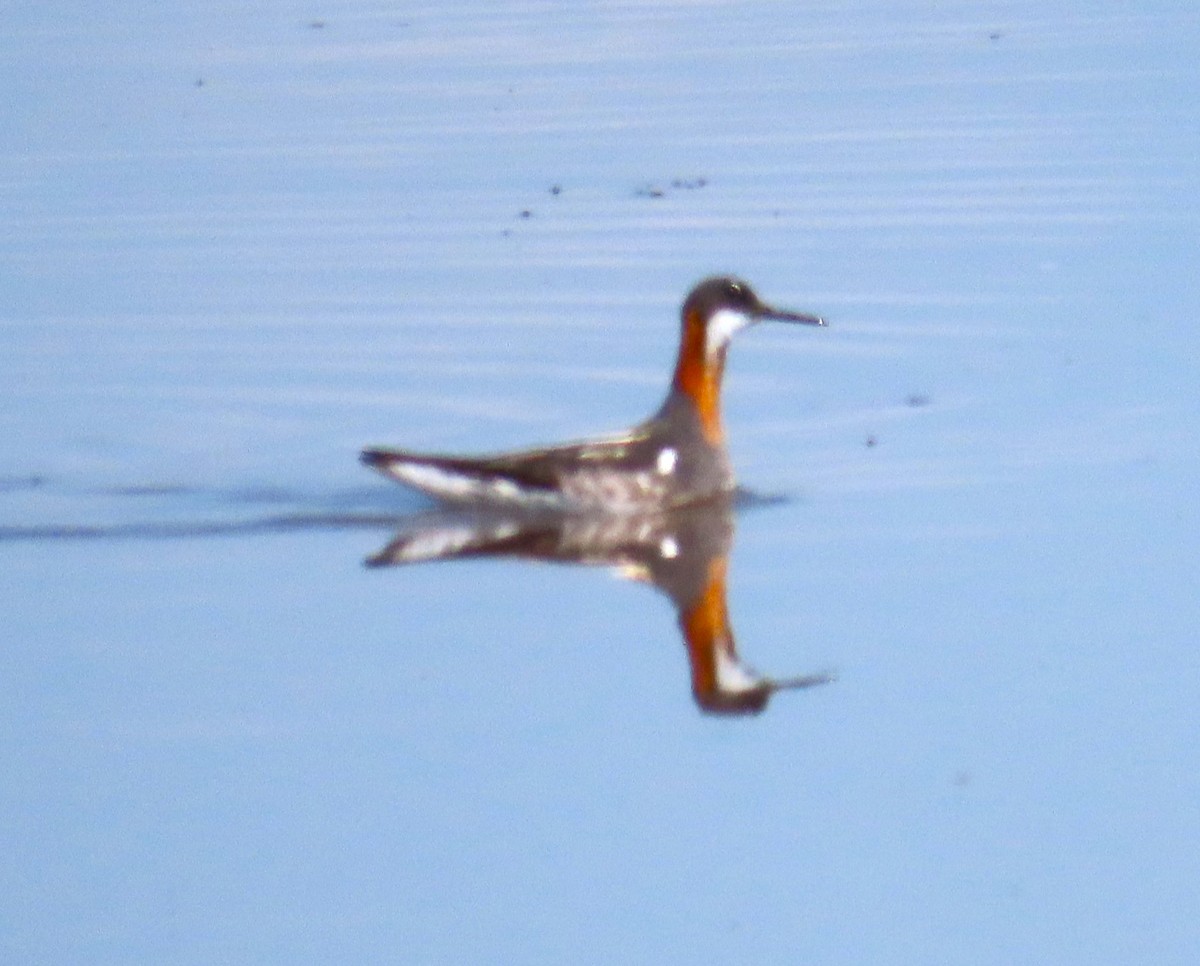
x,y
737,294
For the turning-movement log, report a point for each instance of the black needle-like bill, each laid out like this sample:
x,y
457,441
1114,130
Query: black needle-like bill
x,y
769,314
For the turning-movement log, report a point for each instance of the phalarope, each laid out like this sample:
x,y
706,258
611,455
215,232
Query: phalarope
x,y
675,457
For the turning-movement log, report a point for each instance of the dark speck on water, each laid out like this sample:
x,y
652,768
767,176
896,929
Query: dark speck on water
x,y
678,184
10,483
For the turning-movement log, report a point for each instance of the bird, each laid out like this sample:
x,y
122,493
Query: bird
x,y
676,457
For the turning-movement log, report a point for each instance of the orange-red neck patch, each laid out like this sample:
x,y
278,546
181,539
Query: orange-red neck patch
x,y
699,378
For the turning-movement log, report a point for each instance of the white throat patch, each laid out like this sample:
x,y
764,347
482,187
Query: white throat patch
x,y
722,327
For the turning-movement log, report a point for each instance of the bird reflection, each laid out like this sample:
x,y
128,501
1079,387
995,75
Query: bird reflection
x,y
683,552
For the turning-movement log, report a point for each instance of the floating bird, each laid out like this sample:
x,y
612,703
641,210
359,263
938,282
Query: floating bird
x,y
675,457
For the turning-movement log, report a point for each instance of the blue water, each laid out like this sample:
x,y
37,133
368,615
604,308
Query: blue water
x,y
243,243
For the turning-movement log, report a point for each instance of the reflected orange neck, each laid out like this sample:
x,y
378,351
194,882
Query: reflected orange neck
x,y
706,630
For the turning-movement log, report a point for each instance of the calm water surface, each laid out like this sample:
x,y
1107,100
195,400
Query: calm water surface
x,y
242,244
